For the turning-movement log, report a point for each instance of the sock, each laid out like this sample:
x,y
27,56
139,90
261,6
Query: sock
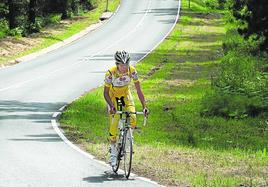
x,y
113,150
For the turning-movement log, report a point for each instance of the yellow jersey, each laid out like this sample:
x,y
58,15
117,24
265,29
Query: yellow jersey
x,y
119,82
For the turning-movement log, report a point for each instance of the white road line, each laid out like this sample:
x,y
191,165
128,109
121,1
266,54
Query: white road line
x,y
123,38
176,20
62,108
55,126
55,114
20,84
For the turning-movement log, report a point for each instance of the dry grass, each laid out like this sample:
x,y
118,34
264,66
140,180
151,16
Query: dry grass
x,y
12,46
172,166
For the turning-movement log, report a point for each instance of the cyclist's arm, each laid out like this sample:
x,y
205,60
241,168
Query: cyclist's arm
x,y
107,97
140,94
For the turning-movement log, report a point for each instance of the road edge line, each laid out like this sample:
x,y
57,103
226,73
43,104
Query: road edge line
x,y
56,126
168,33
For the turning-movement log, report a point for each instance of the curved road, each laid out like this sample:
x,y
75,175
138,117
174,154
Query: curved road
x,y
31,152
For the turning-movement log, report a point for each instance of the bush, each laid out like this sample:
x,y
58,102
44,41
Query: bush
x,y
34,27
232,41
233,105
240,90
93,3
2,34
240,74
51,19
3,28
222,4
215,4
18,31
235,42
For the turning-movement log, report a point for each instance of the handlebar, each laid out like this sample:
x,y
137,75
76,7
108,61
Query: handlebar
x,y
129,113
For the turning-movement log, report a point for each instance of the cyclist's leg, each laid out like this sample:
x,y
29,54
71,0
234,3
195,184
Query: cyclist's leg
x,y
113,121
113,134
113,128
130,106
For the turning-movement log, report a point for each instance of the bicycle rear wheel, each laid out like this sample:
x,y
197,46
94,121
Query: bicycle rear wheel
x,y
127,151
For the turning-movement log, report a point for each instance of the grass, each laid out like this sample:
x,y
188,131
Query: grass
x,y
64,31
178,147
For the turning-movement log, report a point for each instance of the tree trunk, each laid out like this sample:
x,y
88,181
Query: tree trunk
x,y
11,14
189,4
64,9
106,9
32,6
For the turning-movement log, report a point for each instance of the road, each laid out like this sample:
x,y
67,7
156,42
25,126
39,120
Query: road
x,y
31,151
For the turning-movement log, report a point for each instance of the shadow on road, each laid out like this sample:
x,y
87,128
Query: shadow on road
x,y
134,57
106,176
17,114
160,12
34,111
40,138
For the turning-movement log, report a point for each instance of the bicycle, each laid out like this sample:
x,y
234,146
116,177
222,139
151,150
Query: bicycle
x,y
124,143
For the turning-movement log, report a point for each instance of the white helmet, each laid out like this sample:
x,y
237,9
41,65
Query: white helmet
x,y
121,57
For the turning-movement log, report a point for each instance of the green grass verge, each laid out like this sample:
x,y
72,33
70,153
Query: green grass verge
x,y
88,18
178,147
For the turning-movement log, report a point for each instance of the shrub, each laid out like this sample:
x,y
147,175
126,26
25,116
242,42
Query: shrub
x,y
232,105
18,31
240,90
93,3
232,41
35,27
50,19
215,4
3,28
2,34
240,74
235,42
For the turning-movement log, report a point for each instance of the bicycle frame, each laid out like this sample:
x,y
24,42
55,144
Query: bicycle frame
x,y
125,135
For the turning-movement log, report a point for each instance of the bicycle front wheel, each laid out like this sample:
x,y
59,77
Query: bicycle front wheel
x,y
119,155
128,151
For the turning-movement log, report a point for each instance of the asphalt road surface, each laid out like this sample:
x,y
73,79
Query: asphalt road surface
x,y
31,151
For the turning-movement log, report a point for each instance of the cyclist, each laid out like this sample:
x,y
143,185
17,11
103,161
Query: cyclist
x,y
117,80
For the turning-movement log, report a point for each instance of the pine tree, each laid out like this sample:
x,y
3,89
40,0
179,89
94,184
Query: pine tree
x,y
254,16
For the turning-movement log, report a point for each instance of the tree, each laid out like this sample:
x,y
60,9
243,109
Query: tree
x,y
20,15
32,14
11,14
254,17
34,8
65,7
3,10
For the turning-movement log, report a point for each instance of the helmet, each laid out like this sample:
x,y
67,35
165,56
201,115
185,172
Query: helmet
x,y
121,57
